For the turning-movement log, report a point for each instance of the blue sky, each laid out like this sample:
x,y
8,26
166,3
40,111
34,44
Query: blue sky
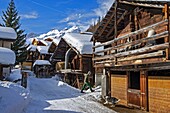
x,y
40,16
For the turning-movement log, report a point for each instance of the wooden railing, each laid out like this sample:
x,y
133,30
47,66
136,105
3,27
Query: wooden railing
x,y
123,49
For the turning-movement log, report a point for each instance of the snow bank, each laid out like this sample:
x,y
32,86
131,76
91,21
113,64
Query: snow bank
x,y
41,62
13,98
7,33
7,56
15,75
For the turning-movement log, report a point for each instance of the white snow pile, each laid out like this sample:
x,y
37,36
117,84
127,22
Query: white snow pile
x,y
13,98
15,75
80,41
52,96
41,62
7,33
7,56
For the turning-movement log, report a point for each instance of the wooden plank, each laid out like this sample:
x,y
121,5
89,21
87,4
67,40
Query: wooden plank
x,y
104,57
132,33
106,24
143,50
148,55
134,52
116,23
167,39
144,90
124,45
142,61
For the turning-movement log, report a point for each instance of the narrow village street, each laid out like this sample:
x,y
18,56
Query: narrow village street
x,y
51,96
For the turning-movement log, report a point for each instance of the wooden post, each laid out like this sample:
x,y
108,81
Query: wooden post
x,y
81,63
109,82
115,30
167,39
144,90
94,43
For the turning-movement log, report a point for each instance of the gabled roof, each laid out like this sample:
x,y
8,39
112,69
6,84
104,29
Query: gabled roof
x,y
117,13
7,33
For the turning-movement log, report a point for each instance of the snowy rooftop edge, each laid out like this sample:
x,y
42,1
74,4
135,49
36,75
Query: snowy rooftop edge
x,y
80,41
41,62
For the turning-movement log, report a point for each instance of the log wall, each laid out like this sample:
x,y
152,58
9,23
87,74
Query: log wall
x,y
159,94
119,88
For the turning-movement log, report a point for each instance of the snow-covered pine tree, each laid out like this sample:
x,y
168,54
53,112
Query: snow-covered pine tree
x,y
11,19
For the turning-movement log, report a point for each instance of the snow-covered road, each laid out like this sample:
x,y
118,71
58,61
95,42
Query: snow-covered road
x,y
51,96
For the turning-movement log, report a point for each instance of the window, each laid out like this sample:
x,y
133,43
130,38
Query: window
x,y
134,80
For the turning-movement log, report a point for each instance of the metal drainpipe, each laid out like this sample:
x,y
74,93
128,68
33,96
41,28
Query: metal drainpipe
x,y
67,57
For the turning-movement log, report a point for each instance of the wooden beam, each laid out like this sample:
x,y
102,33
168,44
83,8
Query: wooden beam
x,y
106,24
124,45
134,52
143,50
167,39
132,33
104,57
116,23
141,62
147,55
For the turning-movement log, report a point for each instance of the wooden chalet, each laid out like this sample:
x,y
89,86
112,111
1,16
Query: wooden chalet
x,y
136,55
41,68
32,55
7,56
53,45
73,57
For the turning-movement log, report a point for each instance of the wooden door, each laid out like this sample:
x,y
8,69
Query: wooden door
x,y
137,89
133,90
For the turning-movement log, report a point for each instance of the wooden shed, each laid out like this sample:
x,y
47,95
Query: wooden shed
x,y
42,68
135,37
74,53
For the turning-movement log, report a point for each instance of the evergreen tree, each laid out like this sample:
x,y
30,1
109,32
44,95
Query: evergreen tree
x,y
11,19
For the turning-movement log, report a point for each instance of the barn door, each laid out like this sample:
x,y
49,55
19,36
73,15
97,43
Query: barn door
x,y
137,89
134,89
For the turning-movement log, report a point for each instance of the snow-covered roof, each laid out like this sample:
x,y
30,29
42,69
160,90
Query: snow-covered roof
x,y
80,41
44,42
7,56
56,41
32,48
41,62
43,49
7,33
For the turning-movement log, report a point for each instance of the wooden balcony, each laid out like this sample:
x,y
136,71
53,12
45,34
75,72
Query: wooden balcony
x,y
135,48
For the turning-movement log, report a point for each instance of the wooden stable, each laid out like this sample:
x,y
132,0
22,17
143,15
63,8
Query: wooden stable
x,y
135,36
78,64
